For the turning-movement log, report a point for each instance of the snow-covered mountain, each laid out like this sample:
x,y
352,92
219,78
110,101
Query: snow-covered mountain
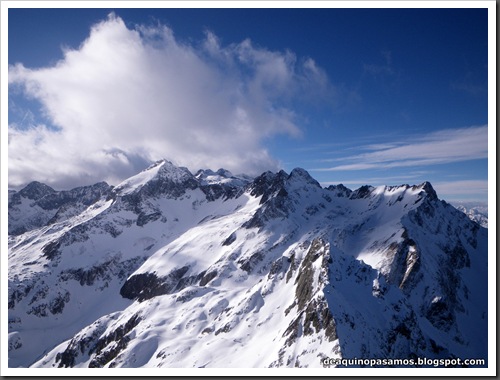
x,y
37,204
478,212
171,269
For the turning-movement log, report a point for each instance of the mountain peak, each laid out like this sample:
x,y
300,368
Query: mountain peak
x,y
156,164
301,175
208,176
224,173
36,190
340,190
204,172
177,174
363,192
427,187
267,183
160,171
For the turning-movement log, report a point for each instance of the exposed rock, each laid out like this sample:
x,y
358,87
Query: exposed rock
x,y
230,239
144,286
104,352
208,277
104,271
56,306
51,250
362,192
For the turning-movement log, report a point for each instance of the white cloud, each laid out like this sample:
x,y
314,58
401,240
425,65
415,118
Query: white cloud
x,y
128,96
441,147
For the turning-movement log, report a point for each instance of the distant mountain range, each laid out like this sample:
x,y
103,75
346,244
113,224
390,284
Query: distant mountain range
x,y
174,269
476,211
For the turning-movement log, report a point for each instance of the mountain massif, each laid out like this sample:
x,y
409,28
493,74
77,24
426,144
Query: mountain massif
x,y
174,269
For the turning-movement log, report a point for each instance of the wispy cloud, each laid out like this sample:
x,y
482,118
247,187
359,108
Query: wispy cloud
x,y
384,69
462,187
127,96
470,83
469,87
441,147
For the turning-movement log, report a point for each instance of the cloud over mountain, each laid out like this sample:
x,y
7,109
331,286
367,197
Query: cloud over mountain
x,y
128,96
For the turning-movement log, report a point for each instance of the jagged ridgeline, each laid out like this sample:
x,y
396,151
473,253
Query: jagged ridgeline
x,y
171,269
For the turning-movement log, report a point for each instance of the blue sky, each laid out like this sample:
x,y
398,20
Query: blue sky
x,y
354,96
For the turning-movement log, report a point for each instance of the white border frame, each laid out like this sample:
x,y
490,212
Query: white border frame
x,y
490,371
